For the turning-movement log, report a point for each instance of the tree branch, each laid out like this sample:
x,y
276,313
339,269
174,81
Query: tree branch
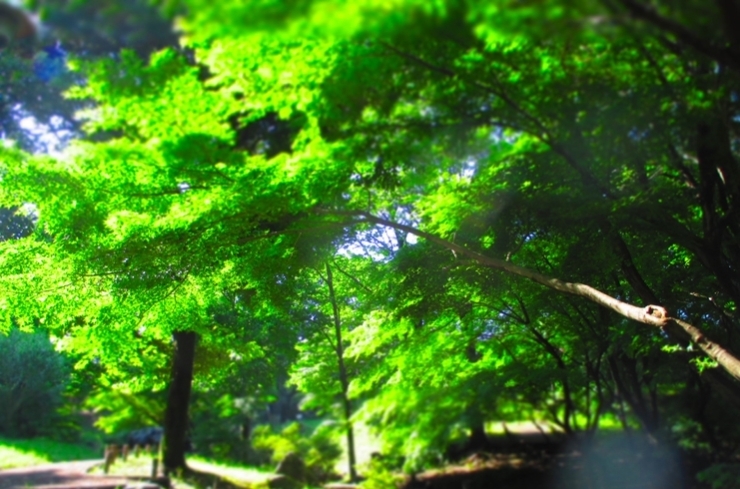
x,y
539,131
650,315
682,34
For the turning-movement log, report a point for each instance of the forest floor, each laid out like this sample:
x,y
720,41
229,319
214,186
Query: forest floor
x,y
602,468
510,461
88,475
202,473
614,462
59,475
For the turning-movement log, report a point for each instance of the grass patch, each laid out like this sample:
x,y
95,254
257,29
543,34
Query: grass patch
x,y
136,465
39,451
239,475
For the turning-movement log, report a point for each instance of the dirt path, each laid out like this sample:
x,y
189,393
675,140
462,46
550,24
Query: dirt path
x,y
59,476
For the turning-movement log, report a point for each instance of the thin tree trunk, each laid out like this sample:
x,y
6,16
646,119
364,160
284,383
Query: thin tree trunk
x,y
178,399
633,397
346,402
567,396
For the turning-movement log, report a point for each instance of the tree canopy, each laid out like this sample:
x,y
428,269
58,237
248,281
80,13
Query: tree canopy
x,y
527,207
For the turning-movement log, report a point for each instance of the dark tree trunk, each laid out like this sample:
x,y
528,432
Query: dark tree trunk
x,y
478,439
630,389
178,399
719,197
553,351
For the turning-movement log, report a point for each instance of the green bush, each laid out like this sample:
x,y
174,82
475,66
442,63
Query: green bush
x,y
721,476
222,421
22,453
381,474
319,451
32,379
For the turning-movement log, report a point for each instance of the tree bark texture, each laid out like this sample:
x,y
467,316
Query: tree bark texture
x,y
178,399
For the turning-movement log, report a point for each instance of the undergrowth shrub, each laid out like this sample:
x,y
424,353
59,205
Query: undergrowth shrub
x,y
382,473
721,476
319,450
33,376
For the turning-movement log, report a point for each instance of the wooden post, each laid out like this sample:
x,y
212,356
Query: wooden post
x,y
110,455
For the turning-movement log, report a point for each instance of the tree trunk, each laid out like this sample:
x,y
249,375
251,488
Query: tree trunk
x,y
552,350
178,399
631,392
343,379
478,440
